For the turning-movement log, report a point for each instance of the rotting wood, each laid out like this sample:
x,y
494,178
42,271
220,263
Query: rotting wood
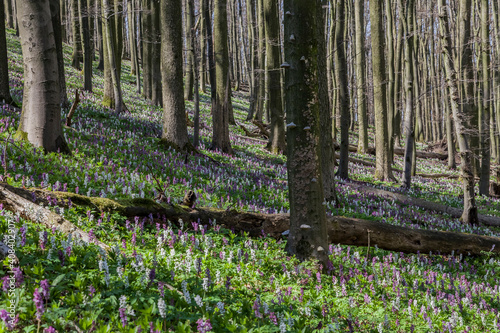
x,y
347,231
73,108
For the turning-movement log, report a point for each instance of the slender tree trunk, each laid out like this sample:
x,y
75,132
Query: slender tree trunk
x,y
470,210
133,44
343,90
359,14
452,164
174,112
390,84
203,48
56,24
409,29
484,182
250,6
109,33
156,81
220,112
196,75
4,65
62,15
261,56
100,38
147,47
8,12
277,139
189,22
210,51
40,122
86,46
75,28
236,43
308,232
383,170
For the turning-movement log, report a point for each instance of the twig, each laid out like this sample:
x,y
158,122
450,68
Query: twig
x,y
73,109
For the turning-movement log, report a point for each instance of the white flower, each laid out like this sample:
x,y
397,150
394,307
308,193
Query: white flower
x,y
162,308
220,306
198,301
123,301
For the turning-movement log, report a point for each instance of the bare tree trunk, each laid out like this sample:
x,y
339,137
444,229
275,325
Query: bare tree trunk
x,y
133,44
390,84
343,90
75,29
4,65
308,231
359,14
147,47
484,182
174,111
189,23
40,122
156,81
250,7
86,46
100,65
383,169
409,29
470,210
203,49
220,112
8,12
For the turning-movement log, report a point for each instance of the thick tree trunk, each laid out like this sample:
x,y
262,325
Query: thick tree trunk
x,y
174,111
347,231
220,112
277,139
308,229
40,122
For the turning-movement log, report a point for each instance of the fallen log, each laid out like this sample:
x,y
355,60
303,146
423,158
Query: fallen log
x,y
347,231
38,214
398,151
487,220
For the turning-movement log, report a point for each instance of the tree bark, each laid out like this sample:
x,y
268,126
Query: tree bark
x,y
308,229
383,169
156,80
220,112
9,14
174,111
359,14
189,23
4,65
277,138
469,214
86,45
133,44
56,24
40,122
75,30
147,23
343,89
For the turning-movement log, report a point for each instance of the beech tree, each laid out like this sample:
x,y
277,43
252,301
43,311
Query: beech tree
x,y
4,66
40,122
174,118
308,231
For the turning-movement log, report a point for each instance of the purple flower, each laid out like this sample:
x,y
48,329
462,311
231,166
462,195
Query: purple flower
x,y
124,244
273,319
45,289
152,275
204,325
8,320
123,317
18,276
5,283
133,239
161,288
43,239
50,330
91,290
38,299
91,235
23,235
228,282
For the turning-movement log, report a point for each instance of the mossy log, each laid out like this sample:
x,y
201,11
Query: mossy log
x,y
11,200
347,231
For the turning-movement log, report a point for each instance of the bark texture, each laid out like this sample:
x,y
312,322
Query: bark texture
x,y
174,117
40,122
4,66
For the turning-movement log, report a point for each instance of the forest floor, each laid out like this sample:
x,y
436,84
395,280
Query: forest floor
x,y
163,276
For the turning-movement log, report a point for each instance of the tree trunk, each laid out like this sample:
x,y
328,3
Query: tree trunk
x,y
359,14
189,22
40,122
86,46
409,29
277,139
196,76
203,48
250,7
308,229
156,80
110,35
469,214
174,111
133,44
8,12
147,23
260,72
75,29
383,169
343,89
56,24
100,65
4,65
210,51
484,182
236,42
220,112
390,84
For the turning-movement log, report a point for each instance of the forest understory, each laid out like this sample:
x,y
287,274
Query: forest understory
x,y
400,262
